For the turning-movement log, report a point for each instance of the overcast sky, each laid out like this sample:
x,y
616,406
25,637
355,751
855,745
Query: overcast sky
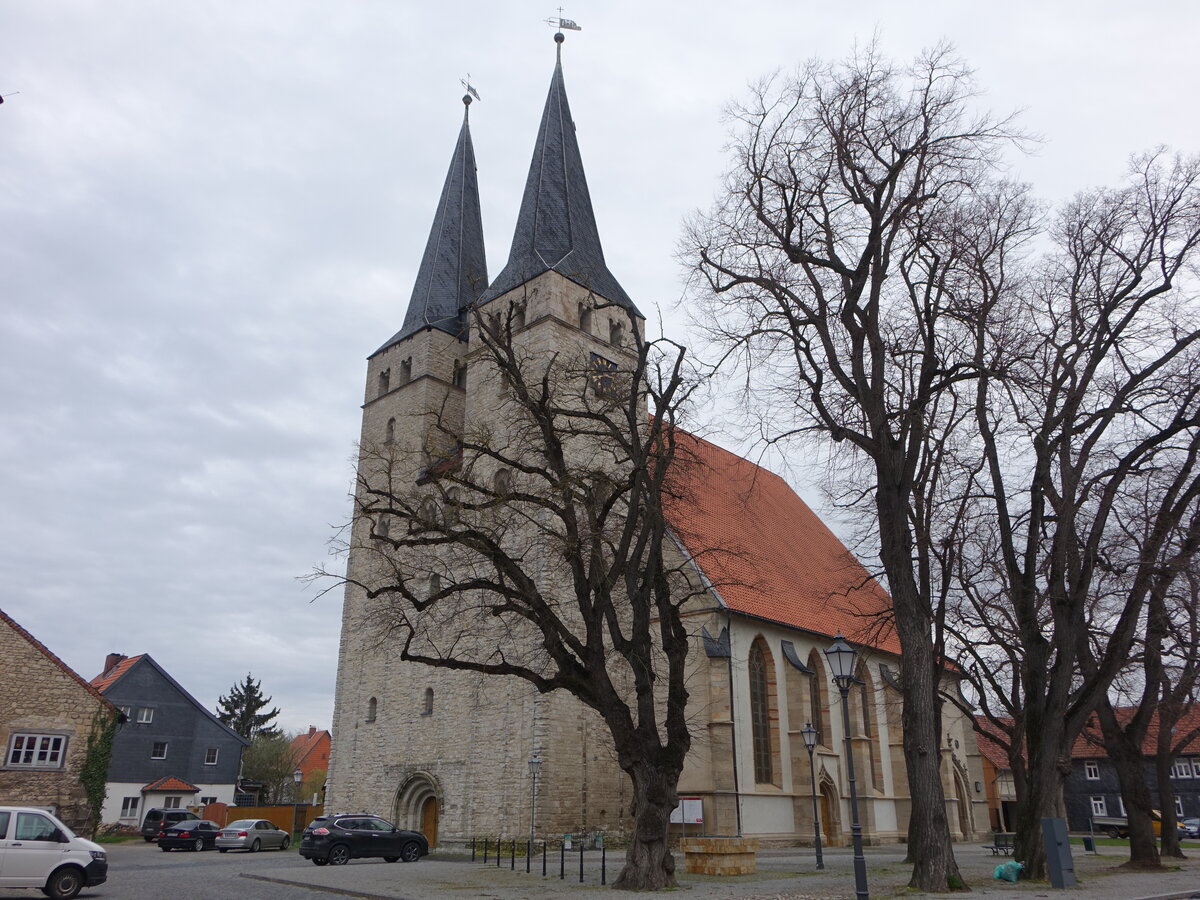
x,y
210,212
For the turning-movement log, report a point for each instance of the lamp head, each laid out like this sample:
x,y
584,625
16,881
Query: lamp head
x,y
535,763
841,661
810,736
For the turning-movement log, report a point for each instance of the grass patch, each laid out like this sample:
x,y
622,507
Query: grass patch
x,y
116,838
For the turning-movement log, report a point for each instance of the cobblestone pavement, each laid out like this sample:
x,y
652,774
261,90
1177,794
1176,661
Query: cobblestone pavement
x,y
787,874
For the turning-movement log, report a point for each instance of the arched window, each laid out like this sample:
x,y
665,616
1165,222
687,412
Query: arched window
x,y
451,508
390,434
866,702
760,714
816,699
616,333
383,527
460,374
406,370
428,709
435,583
585,317
518,315
427,512
385,378
372,706
502,482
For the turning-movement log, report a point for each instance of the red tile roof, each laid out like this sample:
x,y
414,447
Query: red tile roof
x,y
41,648
171,783
105,680
311,750
990,747
1090,743
766,553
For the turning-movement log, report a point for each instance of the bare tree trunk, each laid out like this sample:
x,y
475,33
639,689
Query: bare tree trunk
x,y
1125,751
649,864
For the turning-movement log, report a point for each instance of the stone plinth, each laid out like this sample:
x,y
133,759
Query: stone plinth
x,y
719,855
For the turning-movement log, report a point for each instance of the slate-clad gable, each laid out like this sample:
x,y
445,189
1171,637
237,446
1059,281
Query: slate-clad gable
x,y
556,228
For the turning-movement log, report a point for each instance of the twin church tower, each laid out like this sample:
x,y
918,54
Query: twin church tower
x,y
441,751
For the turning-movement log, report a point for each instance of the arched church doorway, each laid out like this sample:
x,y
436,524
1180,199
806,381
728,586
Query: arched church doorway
x,y
965,825
429,821
831,826
418,806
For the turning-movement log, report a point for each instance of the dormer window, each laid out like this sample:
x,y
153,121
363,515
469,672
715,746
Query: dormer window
x,y
385,378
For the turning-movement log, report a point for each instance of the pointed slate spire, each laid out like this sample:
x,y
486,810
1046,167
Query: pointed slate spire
x,y
556,228
453,271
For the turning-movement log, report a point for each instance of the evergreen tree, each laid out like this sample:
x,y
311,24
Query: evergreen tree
x,y
242,710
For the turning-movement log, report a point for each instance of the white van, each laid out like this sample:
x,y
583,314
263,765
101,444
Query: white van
x,y
38,851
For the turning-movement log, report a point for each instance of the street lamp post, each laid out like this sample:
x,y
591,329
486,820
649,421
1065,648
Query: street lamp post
x,y
810,742
534,764
841,661
298,778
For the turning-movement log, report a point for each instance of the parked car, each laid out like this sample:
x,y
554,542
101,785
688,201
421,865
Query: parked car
x,y
337,839
157,819
252,835
194,834
1189,828
39,851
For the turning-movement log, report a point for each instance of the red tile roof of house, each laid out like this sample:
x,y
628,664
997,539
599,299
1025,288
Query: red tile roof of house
x,y
990,747
41,648
1090,743
305,746
766,553
105,680
171,783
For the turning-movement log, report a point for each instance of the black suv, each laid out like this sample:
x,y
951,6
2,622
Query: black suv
x,y
161,819
337,839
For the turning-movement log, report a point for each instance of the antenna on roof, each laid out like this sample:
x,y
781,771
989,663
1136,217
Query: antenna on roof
x,y
561,23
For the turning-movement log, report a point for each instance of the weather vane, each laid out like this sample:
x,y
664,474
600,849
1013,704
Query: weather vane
x,y
559,22
9,94
466,82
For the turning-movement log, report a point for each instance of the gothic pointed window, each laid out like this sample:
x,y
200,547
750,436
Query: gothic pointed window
x,y
760,715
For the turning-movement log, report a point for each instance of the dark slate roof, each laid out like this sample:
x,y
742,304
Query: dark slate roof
x,y
453,270
556,228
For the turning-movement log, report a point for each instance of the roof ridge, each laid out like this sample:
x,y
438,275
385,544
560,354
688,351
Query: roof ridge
x,y
42,648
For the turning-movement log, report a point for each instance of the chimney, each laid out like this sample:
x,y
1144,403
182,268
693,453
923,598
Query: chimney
x,y
312,729
113,659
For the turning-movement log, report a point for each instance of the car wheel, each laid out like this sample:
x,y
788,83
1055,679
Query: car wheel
x,y
198,845
410,852
1113,832
147,840
222,849
64,884
339,855
163,849
256,846
287,842
391,859
319,861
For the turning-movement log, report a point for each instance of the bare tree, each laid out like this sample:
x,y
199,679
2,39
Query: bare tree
x,y
536,548
831,265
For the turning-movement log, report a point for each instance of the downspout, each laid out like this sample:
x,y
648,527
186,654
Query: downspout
x,y
737,795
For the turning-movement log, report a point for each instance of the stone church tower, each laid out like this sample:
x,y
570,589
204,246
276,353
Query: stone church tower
x,y
442,751
447,752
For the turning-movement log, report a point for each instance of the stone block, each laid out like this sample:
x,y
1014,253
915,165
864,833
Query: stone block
x,y
719,855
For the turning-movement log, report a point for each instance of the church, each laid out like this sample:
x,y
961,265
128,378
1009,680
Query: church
x,y
448,752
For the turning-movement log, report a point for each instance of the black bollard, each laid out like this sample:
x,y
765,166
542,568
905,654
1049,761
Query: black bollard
x,y
562,861
513,850
603,864
581,862
472,849
497,853
528,855
543,859
485,851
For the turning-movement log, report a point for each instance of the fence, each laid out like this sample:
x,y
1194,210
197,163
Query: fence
x,y
505,851
290,817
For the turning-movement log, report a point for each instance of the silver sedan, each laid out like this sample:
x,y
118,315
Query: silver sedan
x,y
252,835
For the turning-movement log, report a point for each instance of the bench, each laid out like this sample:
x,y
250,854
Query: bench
x,y
1002,842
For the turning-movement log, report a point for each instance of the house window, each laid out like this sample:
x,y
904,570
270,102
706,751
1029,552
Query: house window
x,y
129,808
1121,805
171,802
126,711
1196,768
372,707
159,751
1099,807
145,715
428,710
1091,770
1182,768
1179,807
37,751
760,721
210,756
205,801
